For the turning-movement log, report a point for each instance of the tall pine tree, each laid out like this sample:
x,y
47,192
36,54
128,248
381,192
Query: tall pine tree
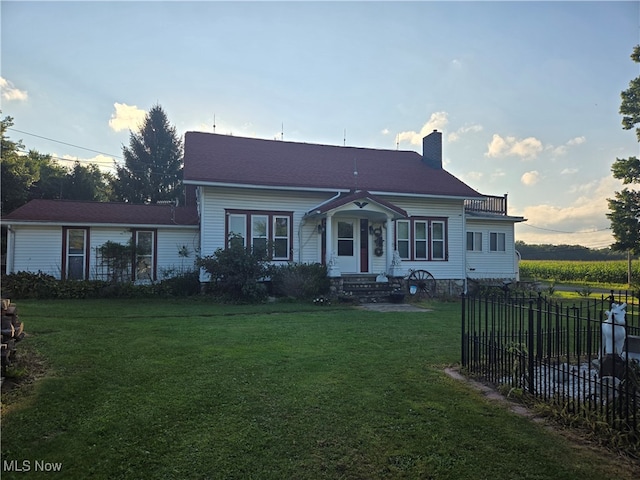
x,y
153,163
625,207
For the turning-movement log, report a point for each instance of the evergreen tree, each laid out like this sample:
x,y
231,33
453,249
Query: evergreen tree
x,y
153,163
625,207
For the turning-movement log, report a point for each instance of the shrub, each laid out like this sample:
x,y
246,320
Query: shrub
x,y
43,286
300,280
28,285
183,284
236,272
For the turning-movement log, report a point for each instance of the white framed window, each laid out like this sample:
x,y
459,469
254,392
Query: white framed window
x,y
281,237
144,255
497,242
438,250
402,238
259,232
262,230
474,241
237,228
420,240
76,247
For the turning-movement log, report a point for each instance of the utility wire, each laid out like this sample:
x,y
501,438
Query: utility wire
x,y
65,143
563,231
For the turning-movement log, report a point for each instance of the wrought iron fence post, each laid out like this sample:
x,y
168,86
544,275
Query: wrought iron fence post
x,y
464,336
530,345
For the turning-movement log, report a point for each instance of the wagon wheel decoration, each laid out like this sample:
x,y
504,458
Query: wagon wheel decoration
x,y
422,283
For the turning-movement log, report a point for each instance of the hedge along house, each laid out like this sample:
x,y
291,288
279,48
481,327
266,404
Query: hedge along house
x,y
101,241
362,212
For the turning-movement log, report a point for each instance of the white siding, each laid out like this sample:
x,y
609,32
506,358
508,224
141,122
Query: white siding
x,y
38,249
487,264
307,242
452,210
170,242
216,200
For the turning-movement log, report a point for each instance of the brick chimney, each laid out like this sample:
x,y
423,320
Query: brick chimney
x,y
432,149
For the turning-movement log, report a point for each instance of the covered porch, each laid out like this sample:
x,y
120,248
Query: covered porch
x,y
357,234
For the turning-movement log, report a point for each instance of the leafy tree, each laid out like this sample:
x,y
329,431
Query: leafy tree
x,y
36,175
625,207
153,162
87,182
51,178
18,172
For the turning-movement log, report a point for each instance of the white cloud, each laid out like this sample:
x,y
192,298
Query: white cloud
x,y
10,92
498,173
527,148
557,151
569,171
563,149
385,131
582,222
126,117
576,141
455,136
530,178
437,121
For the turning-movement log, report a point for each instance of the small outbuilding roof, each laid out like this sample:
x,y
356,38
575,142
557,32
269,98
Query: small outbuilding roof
x,y
74,212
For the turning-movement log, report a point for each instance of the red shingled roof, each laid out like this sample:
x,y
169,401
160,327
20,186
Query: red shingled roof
x,y
67,211
223,159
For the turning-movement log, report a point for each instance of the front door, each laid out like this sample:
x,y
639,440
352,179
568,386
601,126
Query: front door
x,y
347,241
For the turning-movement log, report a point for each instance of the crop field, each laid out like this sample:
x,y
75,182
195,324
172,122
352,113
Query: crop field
x,y
610,271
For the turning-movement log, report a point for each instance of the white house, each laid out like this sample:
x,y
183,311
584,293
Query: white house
x,y
360,211
353,209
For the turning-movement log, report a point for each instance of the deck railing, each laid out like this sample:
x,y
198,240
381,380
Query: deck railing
x,y
488,204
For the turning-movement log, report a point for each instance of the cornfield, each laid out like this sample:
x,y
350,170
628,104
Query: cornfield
x,y
610,271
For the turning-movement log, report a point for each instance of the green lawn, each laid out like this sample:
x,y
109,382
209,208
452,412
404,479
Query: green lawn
x,y
191,390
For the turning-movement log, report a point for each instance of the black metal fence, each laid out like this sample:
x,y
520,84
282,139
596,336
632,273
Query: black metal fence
x,y
552,350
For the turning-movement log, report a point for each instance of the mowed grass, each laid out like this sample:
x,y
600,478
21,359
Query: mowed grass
x,y
191,390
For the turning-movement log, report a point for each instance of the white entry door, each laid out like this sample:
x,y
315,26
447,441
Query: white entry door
x,y
346,239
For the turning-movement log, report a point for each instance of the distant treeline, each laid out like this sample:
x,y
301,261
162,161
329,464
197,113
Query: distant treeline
x,y
566,252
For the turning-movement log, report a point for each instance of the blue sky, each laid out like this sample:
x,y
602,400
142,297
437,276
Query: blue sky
x,y
526,93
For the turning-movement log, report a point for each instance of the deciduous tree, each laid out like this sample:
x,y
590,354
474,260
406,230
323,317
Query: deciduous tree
x,y
625,207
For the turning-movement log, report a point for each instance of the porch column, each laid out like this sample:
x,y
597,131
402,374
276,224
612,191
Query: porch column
x,y
329,239
333,269
390,247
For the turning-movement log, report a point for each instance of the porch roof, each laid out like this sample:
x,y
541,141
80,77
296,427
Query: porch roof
x,y
360,199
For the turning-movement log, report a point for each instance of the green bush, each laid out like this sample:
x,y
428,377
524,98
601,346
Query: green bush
x,y
183,284
300,280
28,285
237,273
40,285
